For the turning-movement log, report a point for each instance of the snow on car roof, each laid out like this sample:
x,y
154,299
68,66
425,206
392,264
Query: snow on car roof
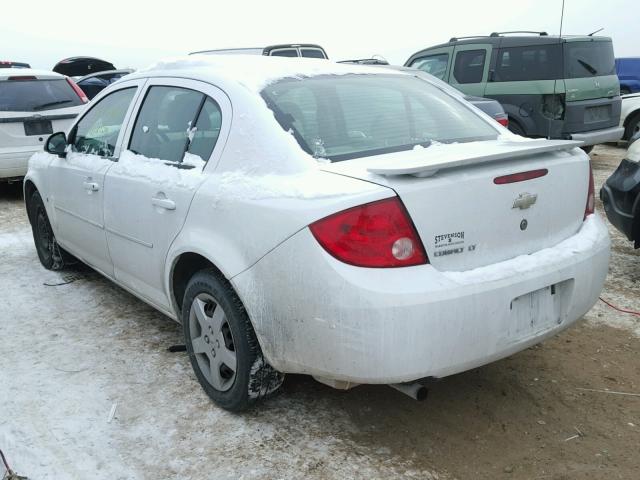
x,y
254,72
28,72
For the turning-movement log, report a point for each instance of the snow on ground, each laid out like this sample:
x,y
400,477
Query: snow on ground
x,y
68,353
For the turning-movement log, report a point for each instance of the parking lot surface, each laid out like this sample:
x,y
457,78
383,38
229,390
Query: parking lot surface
x,y
88,389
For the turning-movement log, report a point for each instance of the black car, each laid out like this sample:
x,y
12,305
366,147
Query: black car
x,y
80,66
93,84
621,194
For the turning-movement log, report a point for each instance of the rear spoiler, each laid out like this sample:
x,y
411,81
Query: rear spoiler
x,y
427,161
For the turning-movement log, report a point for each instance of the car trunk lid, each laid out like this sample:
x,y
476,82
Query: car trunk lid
x,y
467,220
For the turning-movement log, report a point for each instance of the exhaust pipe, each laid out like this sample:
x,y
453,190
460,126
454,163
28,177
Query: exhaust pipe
x,y
416,391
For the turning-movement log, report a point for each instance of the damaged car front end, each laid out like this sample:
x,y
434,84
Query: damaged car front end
x,y
621,194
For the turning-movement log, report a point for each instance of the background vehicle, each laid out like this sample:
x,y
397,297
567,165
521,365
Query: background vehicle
x,y
628,70
33,104
308,50
550,87
491,107
10,64
81,66
630,115
93,84
372,179
620,194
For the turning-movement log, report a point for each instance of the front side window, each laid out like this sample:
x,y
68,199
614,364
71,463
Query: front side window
x,y
284,52
435,65
469,66
588,59
166,123
533,62
339,117
97,132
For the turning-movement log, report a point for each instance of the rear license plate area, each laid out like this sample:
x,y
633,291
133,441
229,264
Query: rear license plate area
x,y
538,311
600,113
37,127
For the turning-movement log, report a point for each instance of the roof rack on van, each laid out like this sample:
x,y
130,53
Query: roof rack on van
x,y
455,39
497,34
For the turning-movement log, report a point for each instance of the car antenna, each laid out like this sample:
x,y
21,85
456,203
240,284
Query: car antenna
x,y
597,31
561,62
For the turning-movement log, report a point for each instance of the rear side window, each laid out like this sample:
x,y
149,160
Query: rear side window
x,y
97,132
469,66
36,95
164,123
207,130
534,62
284,52
588,59
435,65
312,53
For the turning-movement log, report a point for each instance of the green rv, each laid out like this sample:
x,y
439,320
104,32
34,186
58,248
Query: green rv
x,y
550,86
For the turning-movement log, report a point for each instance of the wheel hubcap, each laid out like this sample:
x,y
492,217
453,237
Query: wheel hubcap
x,y
212,342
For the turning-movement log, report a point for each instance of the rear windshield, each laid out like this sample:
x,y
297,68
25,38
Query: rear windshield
x,y
339,117
36,95
589,59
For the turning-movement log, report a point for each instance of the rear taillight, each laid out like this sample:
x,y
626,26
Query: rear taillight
x,y
502,120
591,196
378,235
78,90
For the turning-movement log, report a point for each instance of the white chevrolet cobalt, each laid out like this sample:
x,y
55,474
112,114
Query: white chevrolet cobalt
x,y
355,224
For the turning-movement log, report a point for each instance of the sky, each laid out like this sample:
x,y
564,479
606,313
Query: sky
x,y
137,33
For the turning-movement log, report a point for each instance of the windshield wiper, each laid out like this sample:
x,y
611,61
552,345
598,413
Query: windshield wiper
x,y
50,104
591,70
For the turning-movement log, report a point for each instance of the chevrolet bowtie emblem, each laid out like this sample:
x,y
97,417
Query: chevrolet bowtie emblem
x,y
525,200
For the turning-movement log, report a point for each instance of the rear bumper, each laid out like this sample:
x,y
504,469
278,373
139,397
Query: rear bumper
x,y
594,137
15,163
318,316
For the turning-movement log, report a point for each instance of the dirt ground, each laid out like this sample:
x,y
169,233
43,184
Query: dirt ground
x,y
69,353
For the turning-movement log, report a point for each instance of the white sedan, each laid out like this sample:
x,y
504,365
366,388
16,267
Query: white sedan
x,y
355,224
33,104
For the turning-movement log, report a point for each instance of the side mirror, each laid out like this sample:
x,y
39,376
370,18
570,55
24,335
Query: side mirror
x,y
57,144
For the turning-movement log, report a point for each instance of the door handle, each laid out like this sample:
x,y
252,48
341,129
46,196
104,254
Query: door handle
x,y
165,203
91,186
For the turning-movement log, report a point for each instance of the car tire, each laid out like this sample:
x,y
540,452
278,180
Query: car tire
x,y
222,345
514,127
587,149
51,255
633,126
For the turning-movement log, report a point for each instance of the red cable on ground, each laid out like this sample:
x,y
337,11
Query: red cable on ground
x,y
630,312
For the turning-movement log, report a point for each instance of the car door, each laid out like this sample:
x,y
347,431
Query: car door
x,y
435,62
470,68
76,181
149,190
